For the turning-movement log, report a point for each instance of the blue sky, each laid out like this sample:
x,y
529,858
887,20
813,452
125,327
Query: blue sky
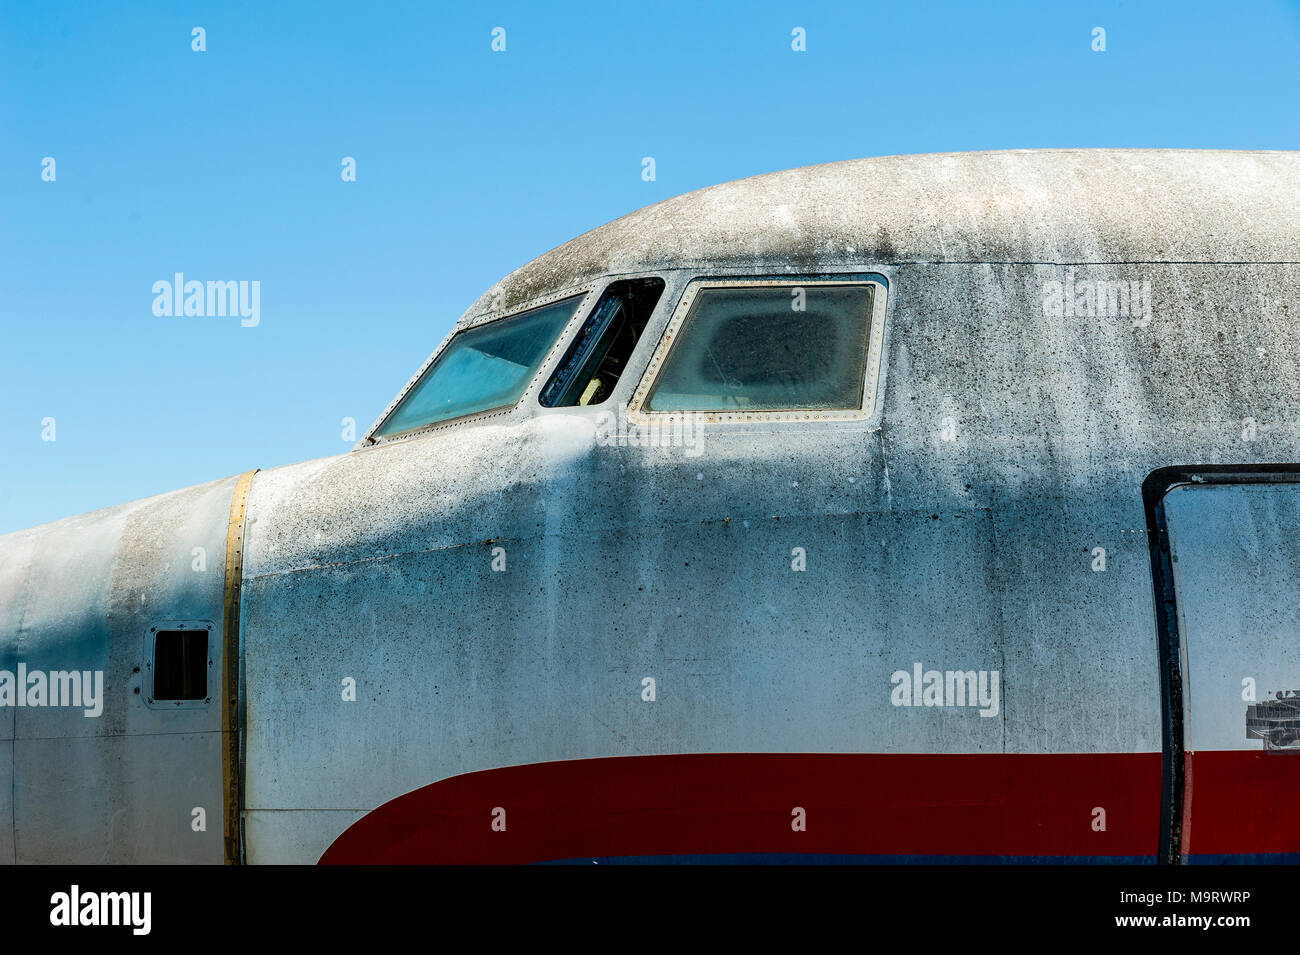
x,y
225,164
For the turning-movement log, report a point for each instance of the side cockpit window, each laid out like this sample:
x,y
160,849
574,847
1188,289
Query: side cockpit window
x,y
599,354
482,369
747,347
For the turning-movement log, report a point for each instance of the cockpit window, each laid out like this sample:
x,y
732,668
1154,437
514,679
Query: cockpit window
x,y
482,369
769,348
600,351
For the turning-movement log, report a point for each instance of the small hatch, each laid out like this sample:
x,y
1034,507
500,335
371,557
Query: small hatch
x,y
179,664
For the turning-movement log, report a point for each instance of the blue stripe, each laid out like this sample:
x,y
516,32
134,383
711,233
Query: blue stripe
x,y
1243,858
798,858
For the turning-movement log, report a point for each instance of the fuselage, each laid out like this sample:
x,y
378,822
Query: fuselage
x,y
932,625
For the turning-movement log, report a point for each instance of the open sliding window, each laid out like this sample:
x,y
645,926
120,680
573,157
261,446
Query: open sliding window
x,y
769,349
482,369
595,362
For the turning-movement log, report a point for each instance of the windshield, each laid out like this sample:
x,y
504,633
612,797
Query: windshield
x,y
481,369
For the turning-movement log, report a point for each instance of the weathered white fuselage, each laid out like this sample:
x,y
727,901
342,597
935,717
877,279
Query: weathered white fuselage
x,y
498,590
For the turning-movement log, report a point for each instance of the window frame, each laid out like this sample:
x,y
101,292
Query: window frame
x,y
150,659
587,292
638,413
605,288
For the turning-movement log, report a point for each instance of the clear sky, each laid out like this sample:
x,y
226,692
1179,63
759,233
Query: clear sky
x,y
226,165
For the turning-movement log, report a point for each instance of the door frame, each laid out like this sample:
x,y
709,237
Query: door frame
x,y
1172,701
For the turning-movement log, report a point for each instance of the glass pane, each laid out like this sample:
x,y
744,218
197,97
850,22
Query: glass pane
x,y
755,349
483,368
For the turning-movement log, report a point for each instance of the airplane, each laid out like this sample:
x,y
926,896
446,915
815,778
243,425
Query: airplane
x,y
910,509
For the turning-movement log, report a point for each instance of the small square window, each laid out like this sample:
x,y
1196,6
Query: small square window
x,y
180,665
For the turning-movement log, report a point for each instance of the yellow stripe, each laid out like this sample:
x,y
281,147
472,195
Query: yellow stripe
x,y
230,777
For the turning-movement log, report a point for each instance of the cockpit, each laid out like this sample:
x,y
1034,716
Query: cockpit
x,y
732,347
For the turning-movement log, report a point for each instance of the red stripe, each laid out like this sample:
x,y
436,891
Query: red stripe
x,y
1026,805
1243,801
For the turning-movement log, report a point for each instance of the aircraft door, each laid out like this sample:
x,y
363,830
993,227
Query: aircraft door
x,y
1234,558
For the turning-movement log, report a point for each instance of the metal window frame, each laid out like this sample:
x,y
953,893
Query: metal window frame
x,y
638,414
212,680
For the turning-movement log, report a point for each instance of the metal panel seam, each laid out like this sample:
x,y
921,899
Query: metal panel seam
x,y
231,783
